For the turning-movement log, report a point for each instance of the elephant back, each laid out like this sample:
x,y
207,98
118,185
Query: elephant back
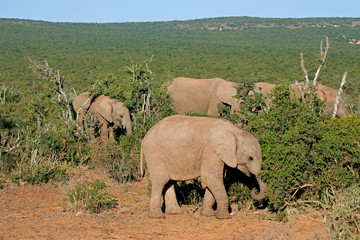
x,y
82,101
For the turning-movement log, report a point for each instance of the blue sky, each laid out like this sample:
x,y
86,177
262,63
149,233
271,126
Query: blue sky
x,y
165,10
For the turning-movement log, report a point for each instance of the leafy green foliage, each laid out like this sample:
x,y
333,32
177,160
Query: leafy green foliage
x,y
38,142
303,153
90,196
240,194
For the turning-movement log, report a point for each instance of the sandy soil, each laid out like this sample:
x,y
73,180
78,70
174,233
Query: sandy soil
x,y
37,212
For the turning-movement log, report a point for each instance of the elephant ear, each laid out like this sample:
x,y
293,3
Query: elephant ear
x,y
223,142
226,91
103,107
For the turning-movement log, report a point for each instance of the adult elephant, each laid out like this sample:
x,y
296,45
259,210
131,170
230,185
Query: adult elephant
x,y
180,148
324,93
109,113
203,95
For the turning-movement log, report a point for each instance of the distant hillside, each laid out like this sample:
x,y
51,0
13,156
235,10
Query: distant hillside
x,y
241,23
257,49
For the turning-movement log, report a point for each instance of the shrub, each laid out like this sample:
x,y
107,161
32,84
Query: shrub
x,y
90,196
38,137
41,172
239,193
304,154
120,160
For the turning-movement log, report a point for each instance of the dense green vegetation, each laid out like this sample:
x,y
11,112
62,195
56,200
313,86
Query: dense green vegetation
x,y
309,158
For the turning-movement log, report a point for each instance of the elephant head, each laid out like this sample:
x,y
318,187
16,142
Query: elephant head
x,y
113,111
110,113
239,149
226,92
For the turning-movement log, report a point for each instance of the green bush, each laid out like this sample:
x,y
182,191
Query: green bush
x,y
304,154
38,139
90,196
240,194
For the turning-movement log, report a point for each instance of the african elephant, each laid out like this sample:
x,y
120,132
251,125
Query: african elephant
x,y
203,95
324,93
180,148
109,113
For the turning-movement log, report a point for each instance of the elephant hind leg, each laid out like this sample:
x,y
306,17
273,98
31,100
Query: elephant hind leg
x,y
158,185
171,204
208,204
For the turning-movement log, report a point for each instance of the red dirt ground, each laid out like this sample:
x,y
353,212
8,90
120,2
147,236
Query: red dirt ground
x,y
37,212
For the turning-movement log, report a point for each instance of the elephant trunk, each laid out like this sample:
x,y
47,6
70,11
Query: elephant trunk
x,y
128,128
262,188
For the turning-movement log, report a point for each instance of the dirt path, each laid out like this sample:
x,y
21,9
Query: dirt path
x,y
37,212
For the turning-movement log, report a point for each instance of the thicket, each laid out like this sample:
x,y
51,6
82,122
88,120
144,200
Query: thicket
x,y
39,140
309,158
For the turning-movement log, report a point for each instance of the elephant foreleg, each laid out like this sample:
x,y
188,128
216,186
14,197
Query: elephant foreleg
x,y
208,203
111,132
171,204
215,183
103,129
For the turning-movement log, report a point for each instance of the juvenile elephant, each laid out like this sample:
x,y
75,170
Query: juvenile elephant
x,y
203,95
181,148
109,113
324,93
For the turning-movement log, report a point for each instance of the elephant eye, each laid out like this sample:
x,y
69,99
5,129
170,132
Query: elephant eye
x,y
251,158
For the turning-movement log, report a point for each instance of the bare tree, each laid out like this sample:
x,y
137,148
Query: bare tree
x,y
306,88
339,94
323,56
53,76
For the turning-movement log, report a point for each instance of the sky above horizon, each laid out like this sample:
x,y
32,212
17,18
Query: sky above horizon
x,y
104,11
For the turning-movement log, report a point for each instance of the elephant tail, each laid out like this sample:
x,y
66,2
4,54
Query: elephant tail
x,y
141,162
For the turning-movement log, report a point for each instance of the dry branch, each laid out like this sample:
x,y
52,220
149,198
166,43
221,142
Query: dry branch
x,y
304,69
53,76
339,94
322,60
323,56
